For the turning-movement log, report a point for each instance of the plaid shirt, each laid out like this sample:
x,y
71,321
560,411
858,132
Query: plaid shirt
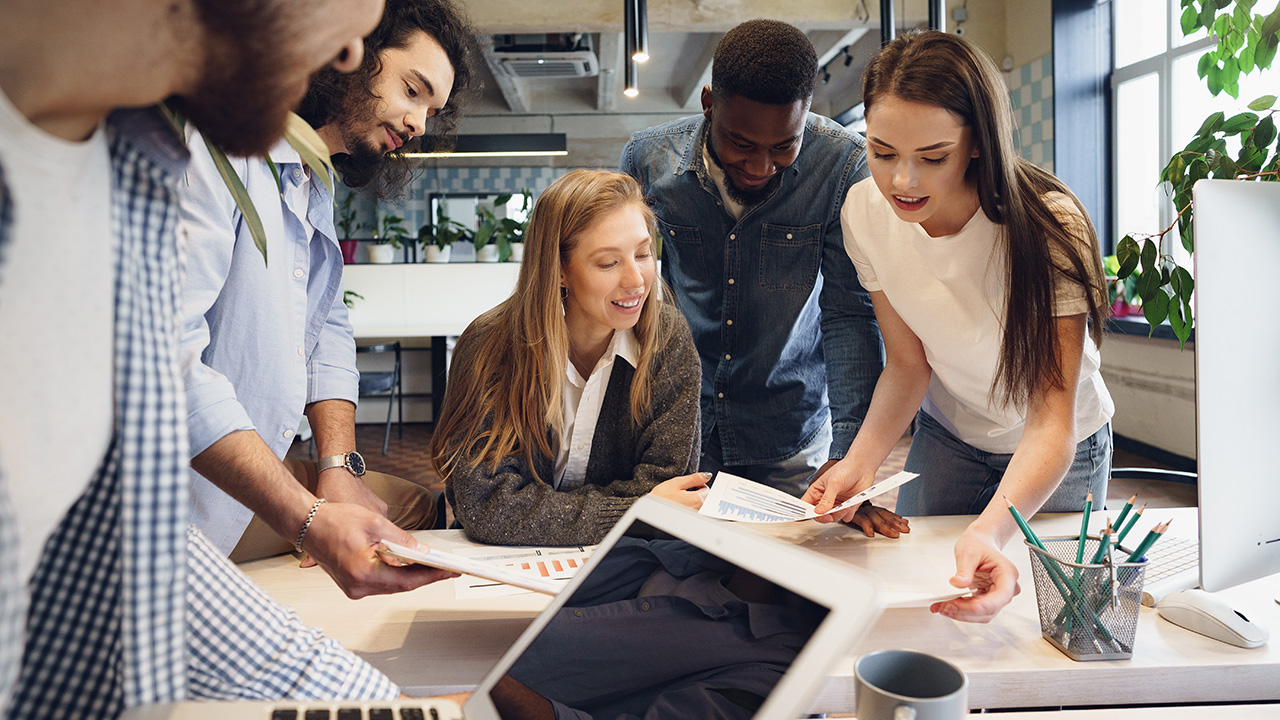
x,y
128,606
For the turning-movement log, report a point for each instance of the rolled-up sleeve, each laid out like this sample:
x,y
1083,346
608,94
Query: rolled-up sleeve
x,y
331,371
209,218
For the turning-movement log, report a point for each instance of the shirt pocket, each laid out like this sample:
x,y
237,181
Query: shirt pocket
x,y
789,256
681,249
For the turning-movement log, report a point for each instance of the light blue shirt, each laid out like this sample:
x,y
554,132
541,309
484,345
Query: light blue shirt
x,y
260,340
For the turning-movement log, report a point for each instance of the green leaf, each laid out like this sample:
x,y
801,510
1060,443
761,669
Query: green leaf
x,y
1221,26
1266,102
1148,285
313,151
1188,21
241,196
1185,333
1156,309
1176,319
1239,123
1207,11
1225,168
1271,26
1266,51
1128,255
1149,254
1184,283
1206,62
1265,133
1186,231
1212,124
1246,60
482,237
1215,80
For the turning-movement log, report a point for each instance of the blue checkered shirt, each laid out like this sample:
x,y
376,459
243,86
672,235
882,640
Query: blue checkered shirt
x,y
129,606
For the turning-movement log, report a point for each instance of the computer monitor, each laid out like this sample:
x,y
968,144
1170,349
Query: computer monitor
x,y
1237,346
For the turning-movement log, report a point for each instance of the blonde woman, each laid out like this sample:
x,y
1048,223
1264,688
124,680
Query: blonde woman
x,y
579,393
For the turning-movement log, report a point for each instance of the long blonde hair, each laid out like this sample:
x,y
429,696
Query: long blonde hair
x,y
506,397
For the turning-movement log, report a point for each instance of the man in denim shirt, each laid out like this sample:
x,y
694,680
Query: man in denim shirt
x,y
748,198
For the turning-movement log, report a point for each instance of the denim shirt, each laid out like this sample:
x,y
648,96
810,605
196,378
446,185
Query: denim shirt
x,y
779,318
260,340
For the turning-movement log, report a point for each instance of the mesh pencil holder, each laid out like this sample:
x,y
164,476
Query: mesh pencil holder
x,y
1088,611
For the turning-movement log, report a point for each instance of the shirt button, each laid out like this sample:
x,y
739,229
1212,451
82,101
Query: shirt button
x,y
728,322
298,272
297,173
788,236
727,356
673,233
733,236
730,281
577,613
288,434
720,395
644,606
581,446
301,351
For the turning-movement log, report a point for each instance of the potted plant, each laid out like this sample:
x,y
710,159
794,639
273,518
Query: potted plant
x,y
388,237
438,238
491,245
515,229
345,220
1245,42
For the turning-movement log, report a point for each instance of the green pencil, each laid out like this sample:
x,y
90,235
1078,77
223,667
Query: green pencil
x,y
1104,541
1132,521
1084,528
1124,511
1148,541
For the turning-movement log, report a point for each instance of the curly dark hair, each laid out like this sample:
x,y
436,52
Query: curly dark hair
x,y
332,94
767,61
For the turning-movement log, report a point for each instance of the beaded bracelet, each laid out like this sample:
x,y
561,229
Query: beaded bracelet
x,y
297,546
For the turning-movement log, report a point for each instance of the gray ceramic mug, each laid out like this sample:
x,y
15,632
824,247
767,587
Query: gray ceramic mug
x,y
906,685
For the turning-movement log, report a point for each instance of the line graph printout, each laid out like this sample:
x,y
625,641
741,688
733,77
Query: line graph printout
x,y
737,498
554,564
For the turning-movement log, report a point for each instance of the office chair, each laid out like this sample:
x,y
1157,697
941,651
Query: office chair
x,y
386,383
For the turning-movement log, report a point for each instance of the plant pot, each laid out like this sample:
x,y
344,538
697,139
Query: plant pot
x,y
517,252
488,253
348,251
382,253
436,254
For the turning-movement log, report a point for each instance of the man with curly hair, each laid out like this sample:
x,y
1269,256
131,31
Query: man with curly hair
x,y
748,198
266,341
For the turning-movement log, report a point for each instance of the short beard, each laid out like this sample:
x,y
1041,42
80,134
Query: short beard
x,y
384,176
240,104
745,198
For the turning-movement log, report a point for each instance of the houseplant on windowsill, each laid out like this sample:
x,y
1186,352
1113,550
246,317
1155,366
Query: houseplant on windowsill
x,y
388,237
515,229
438,238
492,245
1246,42
345,220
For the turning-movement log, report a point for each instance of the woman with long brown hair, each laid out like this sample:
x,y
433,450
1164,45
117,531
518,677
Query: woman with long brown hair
x,y
986,279
579,393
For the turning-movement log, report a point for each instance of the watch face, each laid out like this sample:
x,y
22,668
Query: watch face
x,y
355,463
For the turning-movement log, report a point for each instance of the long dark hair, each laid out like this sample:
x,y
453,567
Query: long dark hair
x,y
944,70
332,93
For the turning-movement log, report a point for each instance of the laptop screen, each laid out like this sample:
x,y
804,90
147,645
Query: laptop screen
x,y
660,627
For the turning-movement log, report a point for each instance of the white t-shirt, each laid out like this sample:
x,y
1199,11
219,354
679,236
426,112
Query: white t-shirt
x,y
57,297
583,399
950,291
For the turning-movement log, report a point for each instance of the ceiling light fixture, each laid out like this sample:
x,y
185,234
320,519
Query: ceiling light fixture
x,y
631,41
517,145
641,49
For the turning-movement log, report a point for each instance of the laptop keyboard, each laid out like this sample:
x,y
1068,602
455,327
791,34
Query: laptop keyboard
x,y
1173,564
355,713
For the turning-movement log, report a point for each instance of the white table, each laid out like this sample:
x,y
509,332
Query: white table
x,y
429,642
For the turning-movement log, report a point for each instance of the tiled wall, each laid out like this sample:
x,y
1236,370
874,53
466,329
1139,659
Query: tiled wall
x,y
1031,91
413,207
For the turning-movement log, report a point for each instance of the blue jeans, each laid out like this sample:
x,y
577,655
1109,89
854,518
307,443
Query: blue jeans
x,y
791,475
959,479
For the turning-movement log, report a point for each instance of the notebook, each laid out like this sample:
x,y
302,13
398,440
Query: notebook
x,y
678,581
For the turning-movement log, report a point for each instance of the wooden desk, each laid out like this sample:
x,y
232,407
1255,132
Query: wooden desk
x,y
427,641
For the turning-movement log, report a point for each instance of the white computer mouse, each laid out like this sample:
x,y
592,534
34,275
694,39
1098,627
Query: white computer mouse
x,y
1207,614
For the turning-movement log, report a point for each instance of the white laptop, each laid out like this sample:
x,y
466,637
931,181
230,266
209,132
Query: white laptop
x,y
806,613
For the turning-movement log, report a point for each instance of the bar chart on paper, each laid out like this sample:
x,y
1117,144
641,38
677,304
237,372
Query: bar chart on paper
x,y
557,564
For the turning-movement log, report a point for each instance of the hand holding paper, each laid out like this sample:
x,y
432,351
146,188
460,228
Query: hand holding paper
x,y
737,498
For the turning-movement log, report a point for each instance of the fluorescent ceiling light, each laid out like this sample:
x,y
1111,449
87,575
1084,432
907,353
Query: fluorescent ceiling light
x,y
516,145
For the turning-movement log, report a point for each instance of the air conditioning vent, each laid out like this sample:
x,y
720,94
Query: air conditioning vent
x,y
553,55
546,65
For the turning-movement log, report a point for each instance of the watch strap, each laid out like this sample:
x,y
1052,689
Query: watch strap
x,y
332,461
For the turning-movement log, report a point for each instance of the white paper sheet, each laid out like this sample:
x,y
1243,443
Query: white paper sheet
x,y
552,565
743,500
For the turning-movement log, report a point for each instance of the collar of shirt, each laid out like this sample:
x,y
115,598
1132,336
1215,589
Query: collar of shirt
x,y
690,157
583,399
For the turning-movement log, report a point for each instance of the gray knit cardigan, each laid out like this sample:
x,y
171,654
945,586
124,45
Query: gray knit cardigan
x,y
511,507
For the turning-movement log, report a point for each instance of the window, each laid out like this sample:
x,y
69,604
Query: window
x,y
1158,103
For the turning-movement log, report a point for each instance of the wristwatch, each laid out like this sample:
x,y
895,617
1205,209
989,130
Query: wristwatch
x,y
352,461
